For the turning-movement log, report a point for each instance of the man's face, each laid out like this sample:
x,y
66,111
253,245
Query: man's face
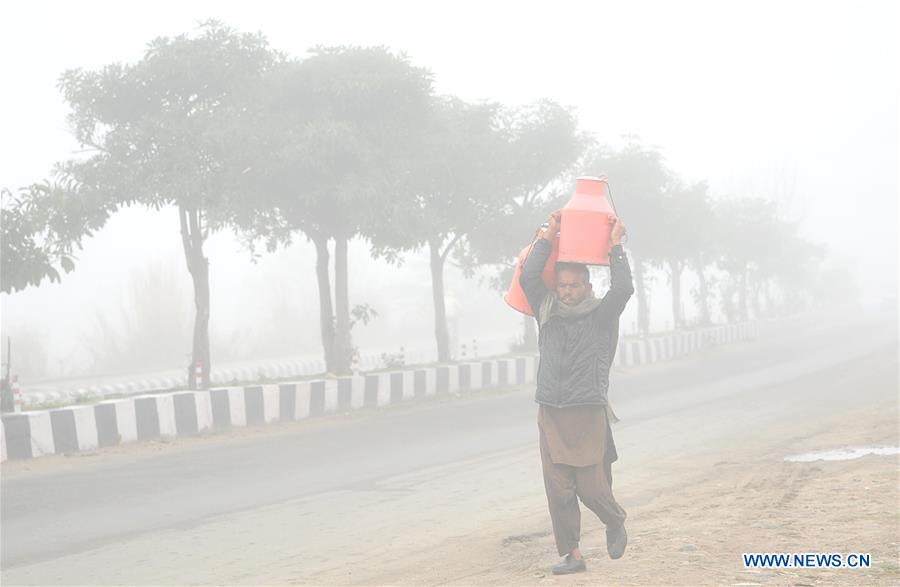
x,y
572,286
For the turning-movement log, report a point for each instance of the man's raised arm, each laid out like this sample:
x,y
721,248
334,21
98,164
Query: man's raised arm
x,y
531,279
621,286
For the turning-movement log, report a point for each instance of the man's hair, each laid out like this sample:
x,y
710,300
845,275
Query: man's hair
x,y
577,267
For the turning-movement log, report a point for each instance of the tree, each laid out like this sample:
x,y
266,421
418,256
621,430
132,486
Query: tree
x,y
341,126
785,260
29,254
159,131
541,159
457,190
746,231
637,180
704,254
686,219
41,228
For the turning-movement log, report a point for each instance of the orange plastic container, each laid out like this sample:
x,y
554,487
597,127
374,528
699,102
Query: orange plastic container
x,y
585,228
515,297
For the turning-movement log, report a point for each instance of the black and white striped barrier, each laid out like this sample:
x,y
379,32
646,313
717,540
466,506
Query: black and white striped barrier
x,y
76,428
87,427
218,377
653,349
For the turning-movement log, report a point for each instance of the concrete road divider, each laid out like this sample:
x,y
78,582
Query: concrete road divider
x,y
86,427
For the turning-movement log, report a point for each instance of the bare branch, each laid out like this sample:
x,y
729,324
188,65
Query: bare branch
x,y
450,246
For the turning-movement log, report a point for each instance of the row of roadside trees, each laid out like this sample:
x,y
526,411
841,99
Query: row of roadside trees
x,y
353,142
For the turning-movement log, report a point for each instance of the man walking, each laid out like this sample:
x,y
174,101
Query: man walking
x,y
577,336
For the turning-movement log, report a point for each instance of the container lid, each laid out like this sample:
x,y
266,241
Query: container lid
x,y
588,184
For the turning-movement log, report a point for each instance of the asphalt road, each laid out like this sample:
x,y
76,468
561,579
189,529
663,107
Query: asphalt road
x,y
52,514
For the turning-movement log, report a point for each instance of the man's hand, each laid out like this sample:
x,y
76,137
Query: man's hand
x,y
618,231
554,223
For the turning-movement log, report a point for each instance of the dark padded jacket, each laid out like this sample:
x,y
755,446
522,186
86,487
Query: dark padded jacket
x,y
576,353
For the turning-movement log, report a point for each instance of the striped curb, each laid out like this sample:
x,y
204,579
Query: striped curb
x,y
72,429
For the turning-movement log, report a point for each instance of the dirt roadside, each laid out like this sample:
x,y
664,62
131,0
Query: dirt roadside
x,y
691,528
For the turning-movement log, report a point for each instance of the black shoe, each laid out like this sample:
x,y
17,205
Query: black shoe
x,y
569,565
616,539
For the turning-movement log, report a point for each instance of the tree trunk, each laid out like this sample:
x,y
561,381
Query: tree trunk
x,y
326,310
742,295
530,336
343,343
767,298
754,299
675,269
703,287
192,238
641,291
441,334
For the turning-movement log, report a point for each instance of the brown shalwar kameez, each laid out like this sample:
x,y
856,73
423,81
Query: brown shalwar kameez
x,y
577,452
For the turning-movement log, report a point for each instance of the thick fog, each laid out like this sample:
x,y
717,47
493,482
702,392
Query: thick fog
x,y
286,358
795,102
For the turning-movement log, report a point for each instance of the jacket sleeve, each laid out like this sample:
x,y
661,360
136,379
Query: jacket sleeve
x,y
531,278
620,286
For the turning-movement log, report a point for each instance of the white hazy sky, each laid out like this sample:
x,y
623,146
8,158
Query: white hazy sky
x,y
797,100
